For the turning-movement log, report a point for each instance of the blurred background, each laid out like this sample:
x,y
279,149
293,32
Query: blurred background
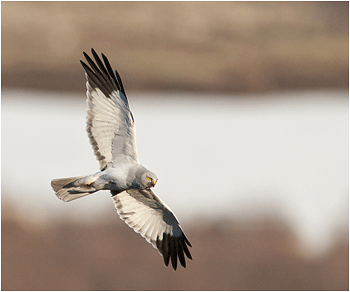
x,y
241,110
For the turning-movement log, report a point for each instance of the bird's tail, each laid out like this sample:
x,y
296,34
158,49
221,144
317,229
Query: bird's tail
x,y
68,189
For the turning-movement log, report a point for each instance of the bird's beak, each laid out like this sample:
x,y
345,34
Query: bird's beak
x,y
154,182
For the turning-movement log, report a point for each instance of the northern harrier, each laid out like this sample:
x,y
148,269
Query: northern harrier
x,y
111,130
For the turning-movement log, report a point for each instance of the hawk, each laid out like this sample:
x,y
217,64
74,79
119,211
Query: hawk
x,y
111,131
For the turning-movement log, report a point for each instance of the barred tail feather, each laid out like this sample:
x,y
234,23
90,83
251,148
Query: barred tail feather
x,y
68,189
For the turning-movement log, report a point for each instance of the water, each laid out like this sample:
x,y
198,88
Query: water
x,y
283,155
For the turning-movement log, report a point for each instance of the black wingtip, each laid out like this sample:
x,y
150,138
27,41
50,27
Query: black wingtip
x,y
86,67
93,51
98,76
173,249
110,71
186,240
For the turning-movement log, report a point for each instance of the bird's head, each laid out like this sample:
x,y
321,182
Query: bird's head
x,y
149,179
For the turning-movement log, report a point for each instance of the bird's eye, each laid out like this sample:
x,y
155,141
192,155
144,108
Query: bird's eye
x,y
149,178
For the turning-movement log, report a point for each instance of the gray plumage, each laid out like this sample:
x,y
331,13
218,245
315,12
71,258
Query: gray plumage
x,y
111,131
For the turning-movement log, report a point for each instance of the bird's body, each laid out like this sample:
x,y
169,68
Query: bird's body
x,y
111,130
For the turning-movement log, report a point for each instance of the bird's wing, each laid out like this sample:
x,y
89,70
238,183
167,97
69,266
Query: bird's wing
x,y
148,215
110,124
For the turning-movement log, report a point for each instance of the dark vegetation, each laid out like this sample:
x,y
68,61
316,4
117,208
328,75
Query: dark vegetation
x,y
183,46
257,255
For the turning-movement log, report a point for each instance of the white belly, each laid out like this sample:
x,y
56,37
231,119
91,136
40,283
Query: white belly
x,y
117,173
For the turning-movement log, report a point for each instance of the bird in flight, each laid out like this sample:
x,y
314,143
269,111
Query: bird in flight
x,y
111,130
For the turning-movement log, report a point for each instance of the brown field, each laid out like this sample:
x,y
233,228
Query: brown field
x,y
262,254
197,46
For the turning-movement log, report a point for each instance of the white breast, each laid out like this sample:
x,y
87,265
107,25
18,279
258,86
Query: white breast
x,y
117,172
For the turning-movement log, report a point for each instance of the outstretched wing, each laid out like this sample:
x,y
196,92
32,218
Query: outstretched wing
x,y
148,215
110,124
